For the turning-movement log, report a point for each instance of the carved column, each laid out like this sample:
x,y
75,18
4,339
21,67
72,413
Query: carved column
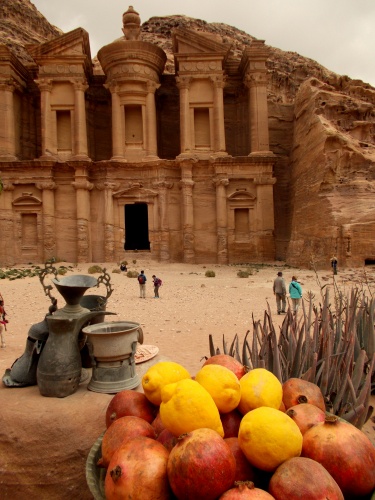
x,y
7,125
219,130
109,231
186,185
80,140
49,228
264,205
183,83
162,187
45,87
255,78
152,145
118,141
82,186
222,222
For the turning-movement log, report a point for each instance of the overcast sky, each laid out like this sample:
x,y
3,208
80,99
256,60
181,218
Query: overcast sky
x,y
339,34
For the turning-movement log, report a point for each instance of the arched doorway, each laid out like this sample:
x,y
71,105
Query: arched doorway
x,y
136,227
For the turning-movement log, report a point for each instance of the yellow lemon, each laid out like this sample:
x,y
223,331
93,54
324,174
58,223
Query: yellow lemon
x,y
187,406
222,384
159,375
268,437
260,387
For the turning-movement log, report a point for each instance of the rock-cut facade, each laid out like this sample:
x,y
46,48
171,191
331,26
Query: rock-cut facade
x,y
96,165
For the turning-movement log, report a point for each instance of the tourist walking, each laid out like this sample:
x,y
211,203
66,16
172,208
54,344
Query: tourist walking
x,y
295,291
157,284
279,290
142,285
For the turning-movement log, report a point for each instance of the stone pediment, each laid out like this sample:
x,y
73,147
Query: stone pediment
x,y
192,45
73,47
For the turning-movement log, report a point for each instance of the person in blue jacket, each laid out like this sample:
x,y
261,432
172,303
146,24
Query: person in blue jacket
x,y
295,292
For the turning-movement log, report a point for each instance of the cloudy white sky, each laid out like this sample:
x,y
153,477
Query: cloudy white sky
x,y
339,34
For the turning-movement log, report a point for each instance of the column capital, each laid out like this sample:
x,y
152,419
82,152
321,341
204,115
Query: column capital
x,y
80,85
186,183
44,84
162,185
46,185
83,184
220,182
256,78
183,82
7,85
259,180
219,81
152,86
8,186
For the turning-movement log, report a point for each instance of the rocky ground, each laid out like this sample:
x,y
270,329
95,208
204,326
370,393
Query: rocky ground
x,y
45,441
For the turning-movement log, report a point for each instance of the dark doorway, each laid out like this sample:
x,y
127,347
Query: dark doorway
x,y
369,262
136,227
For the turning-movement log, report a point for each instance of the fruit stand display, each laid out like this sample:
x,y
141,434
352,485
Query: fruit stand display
x,y
227,434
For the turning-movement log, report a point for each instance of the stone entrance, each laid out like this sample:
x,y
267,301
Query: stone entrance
x,y
136,227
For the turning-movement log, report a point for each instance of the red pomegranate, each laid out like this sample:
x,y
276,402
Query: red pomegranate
x,y
306,416
301,477
138,470
130,403
167,439
245,490
297,391
201,465
231,423
157,424
120,431
244,470
229,362
346,453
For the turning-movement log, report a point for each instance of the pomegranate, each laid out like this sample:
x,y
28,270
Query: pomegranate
x,y
138,470
120,431
245,490
130,403
231,423
201,465
346,453
167,439
306,416
157,424
301,477
297,391
229,362
244,470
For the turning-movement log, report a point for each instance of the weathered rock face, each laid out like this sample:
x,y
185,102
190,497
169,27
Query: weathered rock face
x,y
321,129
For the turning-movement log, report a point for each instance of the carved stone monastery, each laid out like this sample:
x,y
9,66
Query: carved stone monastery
x,y
96,166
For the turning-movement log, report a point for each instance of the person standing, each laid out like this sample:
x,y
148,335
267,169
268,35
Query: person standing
x,y
3,323
295,291
142,285
334,264
157,284
279,290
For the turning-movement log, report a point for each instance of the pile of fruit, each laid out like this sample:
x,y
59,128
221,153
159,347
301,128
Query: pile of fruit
x,y
227,434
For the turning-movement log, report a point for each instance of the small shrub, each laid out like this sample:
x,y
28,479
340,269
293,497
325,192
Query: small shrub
x,y
62,270
124,262
132,274
94,269
243,274
134,261
117,271
210,274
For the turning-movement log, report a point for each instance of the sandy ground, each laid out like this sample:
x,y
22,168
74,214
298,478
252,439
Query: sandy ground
x,y
191,306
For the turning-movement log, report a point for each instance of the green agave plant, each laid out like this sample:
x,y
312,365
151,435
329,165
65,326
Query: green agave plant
x,y
331,346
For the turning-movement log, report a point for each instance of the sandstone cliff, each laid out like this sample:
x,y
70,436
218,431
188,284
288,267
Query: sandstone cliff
x,y
322,130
